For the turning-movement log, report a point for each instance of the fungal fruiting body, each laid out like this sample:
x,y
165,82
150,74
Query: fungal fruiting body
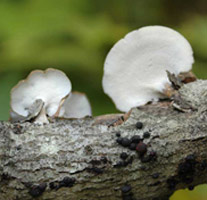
x,y
33,111
47,87
135,68
76,106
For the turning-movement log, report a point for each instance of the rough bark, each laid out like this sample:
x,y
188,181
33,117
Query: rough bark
x,y
80,159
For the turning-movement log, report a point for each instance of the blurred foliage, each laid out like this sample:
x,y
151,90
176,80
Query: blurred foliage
x,y
75,36
199,193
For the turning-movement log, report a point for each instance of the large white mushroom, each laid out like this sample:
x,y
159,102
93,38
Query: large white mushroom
x,y
135,68
48,87
76,106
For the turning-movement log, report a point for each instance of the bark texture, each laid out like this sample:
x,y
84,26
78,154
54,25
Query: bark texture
x,y
80,159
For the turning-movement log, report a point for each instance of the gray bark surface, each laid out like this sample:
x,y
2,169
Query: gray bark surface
x,y
80,160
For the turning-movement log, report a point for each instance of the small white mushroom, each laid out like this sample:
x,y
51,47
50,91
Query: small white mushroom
x,y
76,106
135,68
50,86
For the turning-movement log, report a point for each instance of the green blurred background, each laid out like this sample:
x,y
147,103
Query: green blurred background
x,y
75,36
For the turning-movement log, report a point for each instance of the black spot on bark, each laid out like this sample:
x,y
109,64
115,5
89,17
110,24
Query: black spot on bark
x,y
19,147
146,135
133,146
139,125
123,155
37,190
126,192
125,142
141,148
136,139
5,176
119,140
118,134
126,188
54,185
67,182
95,162
186,169
124,163
191,187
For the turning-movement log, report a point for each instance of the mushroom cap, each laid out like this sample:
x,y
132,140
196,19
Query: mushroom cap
x,y
50,86
135,68
76,106
33,111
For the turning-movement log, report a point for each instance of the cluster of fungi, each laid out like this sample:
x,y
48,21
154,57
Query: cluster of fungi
x,y
145,66
47,94
135,73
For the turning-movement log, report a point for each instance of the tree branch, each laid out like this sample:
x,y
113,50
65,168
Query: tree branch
x,y
82,159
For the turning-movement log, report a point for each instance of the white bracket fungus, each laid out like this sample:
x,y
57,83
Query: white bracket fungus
x,y
50,86
76,106
135,68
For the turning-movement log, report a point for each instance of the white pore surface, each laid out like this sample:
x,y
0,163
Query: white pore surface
x,y
76,106
50,86
135,68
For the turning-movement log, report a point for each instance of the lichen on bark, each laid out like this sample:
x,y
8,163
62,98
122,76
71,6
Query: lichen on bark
x,y
80,158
